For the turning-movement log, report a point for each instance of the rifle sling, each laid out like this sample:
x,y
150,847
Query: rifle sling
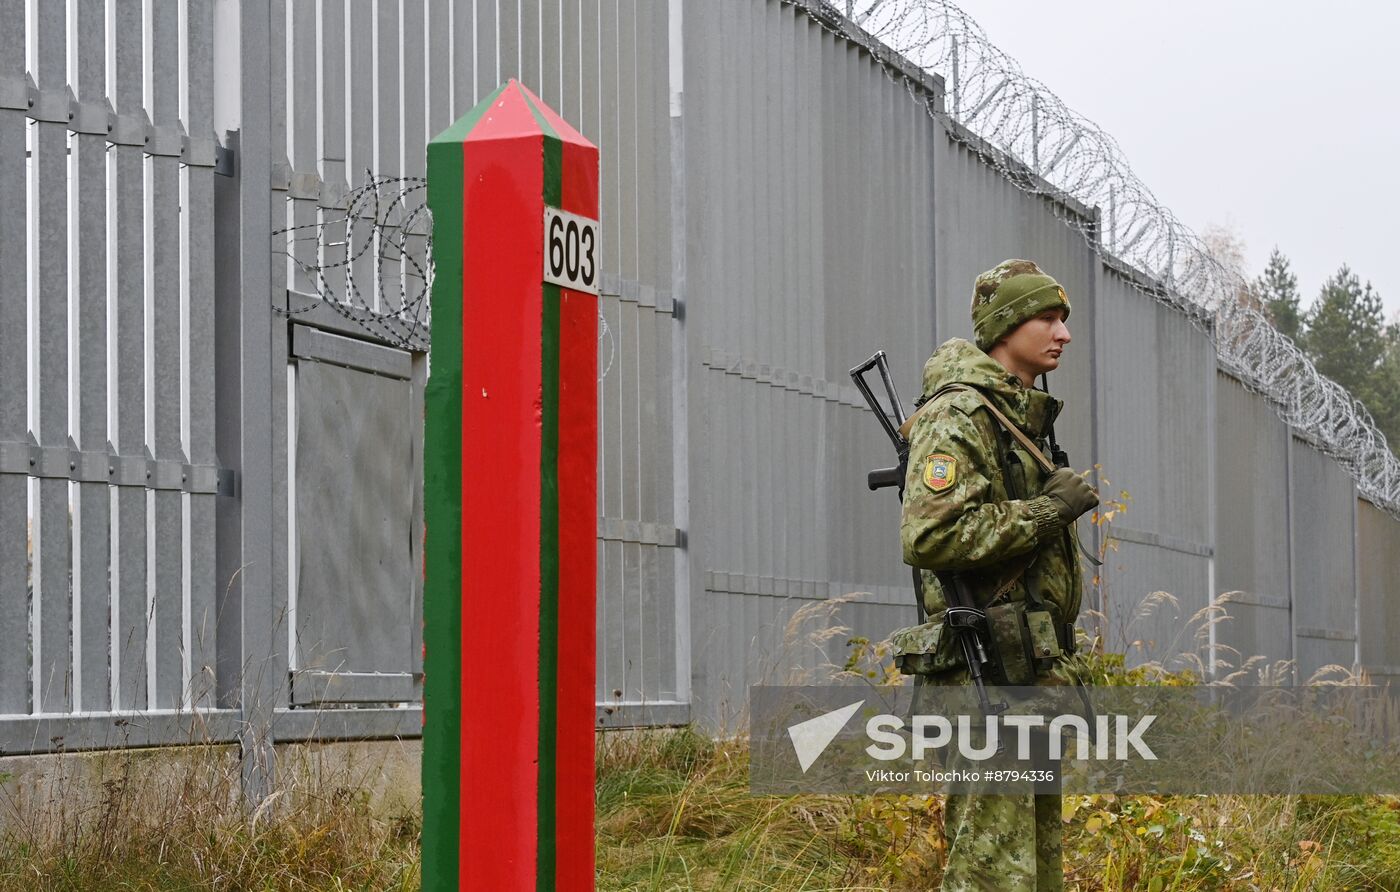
x,y
1005,422
1012,429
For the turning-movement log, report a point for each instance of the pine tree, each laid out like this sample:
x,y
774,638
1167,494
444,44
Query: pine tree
x,y
1344,332
1384,398
1278,289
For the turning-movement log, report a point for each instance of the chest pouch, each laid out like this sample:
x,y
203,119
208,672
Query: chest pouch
x,y
926,649
1025,640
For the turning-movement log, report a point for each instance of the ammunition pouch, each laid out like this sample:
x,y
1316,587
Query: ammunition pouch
x,y
1024,643
926,649
1025,640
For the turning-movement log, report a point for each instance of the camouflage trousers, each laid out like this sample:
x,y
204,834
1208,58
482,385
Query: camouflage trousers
x,y
1003,843
1006,842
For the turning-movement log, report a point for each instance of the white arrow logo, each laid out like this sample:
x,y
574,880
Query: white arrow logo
x,y
811,738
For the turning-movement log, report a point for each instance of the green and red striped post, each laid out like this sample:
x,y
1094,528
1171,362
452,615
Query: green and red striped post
x,y
510,506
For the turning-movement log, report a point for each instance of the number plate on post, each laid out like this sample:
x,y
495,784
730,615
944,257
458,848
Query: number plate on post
x,y
570,251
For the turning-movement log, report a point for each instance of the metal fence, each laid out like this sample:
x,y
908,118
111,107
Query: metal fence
x,y
210,455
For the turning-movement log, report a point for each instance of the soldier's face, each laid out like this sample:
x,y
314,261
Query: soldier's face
x,y
1036,344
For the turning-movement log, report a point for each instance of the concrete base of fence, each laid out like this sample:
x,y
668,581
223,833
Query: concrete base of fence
x,y
73,793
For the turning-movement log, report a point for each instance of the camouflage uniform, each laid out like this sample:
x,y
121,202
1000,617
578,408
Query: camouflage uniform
x,y
962,514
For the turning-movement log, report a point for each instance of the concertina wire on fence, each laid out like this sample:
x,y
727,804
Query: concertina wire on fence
x,y
1012,122
1024,131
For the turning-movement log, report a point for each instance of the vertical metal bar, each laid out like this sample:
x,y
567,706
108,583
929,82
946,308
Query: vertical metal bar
x,y
807,235
551,84
259,670
644,472
415,531
612,634
302,127
439,63
334,176
462,58
53,598
415,140
360,62
662,462
1035,133
609,98
628,232
164,325
629,376
15,678
278,603
389,145
590,80
128,349
92,513
199,267
740,297
680,355
769,287
644,188
528,42
508,41
604,599
415,128
956,87
485,51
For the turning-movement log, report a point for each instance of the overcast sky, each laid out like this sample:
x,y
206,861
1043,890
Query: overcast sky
x,y
1280,120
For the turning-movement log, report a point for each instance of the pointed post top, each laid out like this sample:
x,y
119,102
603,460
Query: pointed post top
x,y
512,111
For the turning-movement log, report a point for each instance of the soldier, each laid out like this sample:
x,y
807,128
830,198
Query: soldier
x,y
978,504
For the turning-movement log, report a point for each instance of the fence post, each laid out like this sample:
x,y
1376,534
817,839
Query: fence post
x,y
251,585
510,445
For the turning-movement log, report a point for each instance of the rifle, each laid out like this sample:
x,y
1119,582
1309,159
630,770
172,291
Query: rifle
x,y
963,616
1058,456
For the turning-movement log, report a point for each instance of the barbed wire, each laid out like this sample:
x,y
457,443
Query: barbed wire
x,y
1022,129
383,233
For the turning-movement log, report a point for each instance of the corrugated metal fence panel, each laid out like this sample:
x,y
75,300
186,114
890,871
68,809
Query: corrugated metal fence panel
x,y
621,51
813,238
106,433
1156,386
1252,508
1324,575
810,207
1378,568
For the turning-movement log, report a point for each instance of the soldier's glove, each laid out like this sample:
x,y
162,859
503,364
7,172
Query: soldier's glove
x,y
1070,494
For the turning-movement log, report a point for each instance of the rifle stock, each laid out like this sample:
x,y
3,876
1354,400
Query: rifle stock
x,y
963,616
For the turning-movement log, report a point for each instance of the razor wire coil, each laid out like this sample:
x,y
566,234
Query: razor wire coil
x,y
381,232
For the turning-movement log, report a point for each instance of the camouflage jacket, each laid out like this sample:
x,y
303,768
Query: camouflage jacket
x,y
962,514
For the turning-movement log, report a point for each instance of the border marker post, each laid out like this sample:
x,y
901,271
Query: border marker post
x,y
510,455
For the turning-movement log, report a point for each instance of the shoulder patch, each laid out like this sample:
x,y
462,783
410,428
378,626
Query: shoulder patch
x,y
940,472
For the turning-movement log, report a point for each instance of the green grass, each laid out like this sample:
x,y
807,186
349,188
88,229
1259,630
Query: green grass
x,y
674,812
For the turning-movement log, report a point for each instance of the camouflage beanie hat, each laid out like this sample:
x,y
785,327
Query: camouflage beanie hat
x,y
1007,295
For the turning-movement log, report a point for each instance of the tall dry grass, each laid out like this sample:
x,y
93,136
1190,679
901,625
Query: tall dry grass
x,y
173,819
